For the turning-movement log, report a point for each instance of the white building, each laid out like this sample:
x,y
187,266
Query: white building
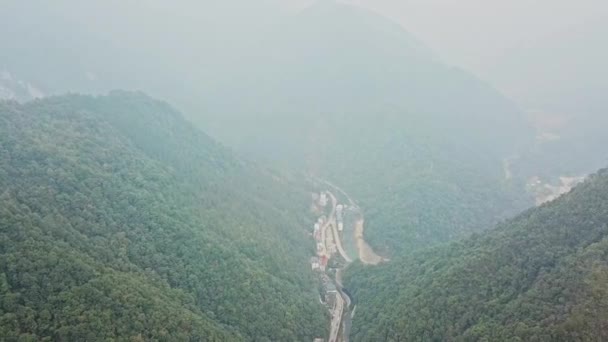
x,y
340,226
314,262
339,209
323,199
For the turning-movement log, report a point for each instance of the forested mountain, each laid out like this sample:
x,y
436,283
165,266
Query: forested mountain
x,y
538,277
352,97
118,220
336,91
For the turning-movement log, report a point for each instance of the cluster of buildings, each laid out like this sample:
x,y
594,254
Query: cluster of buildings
x,y
324,239
319,263
323,234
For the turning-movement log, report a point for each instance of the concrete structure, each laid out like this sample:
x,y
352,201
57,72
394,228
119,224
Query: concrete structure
x,y
339,213
330,288
315,264
323,199
340,226
323,263
320,248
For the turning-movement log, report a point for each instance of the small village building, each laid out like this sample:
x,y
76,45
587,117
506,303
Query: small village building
x,y
323,199
315,264
323,260
320,248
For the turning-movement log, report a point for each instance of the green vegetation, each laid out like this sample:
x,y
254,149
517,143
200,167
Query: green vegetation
x,y
418,190
539,277
353,98
119,221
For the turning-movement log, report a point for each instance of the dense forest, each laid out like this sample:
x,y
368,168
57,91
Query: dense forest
x,y
118,220
538,277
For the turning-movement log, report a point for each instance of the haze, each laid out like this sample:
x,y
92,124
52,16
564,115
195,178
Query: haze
x,y
545,54
288,170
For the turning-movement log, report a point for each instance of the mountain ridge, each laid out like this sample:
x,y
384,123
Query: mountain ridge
x,y
535,277
200,244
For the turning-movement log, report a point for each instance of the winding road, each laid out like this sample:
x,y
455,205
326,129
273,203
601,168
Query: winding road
x,y
340,313
343,301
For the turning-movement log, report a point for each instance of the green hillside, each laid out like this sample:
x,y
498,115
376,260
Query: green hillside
x,y
334,90
118,220
538,277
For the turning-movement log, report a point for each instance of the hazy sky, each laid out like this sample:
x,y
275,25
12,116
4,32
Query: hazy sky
x,y
542,53
474,32
533,50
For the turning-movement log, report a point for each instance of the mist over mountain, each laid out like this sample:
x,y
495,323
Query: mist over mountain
x,y
350,96
203,50
334,90
317,171
12,88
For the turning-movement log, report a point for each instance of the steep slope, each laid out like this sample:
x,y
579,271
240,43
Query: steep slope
x,y
120,220
352,97
539,277
336,91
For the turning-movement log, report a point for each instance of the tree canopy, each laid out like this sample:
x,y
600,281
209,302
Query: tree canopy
x,y
538,277
120,221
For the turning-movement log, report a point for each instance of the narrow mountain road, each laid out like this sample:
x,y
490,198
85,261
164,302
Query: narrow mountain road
x,y
341,316
347,316
336,315
336,321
